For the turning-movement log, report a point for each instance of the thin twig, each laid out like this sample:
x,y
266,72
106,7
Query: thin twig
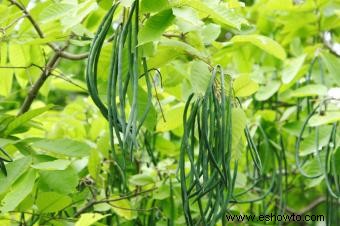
x,y
51,64
94,202
39,83
66,79
157,98
4,29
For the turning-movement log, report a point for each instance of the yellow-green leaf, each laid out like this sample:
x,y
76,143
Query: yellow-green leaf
x,y
310,90
328,117
266,44
245,86
291,68
87,219
122,208
173,119
155,26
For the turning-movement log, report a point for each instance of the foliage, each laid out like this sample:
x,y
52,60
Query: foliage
x,y
168,112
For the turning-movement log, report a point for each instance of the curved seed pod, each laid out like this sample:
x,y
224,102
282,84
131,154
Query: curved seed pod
x,y
330,166
299,140
92,62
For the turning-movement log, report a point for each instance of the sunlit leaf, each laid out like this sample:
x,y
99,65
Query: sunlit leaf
x,y
291,68
59,164
153,6
19,191
18,121
122,208
14,170
265,92
141,179
199,77
326,118
173,119
49,202
266,44
87,219
244,86
61,181
155,26
217,11
64,146
310,90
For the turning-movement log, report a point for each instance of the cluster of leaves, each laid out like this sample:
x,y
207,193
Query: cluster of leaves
x,y
56,161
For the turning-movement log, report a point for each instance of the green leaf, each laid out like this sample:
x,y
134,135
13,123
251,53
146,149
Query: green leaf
x,y
122,208
94,164
19,58
291,68
6,82
19,191
64,146
155,26
142,102
315,182
217,11
150,6
166,147
141,179
313,167
333,65
61,181
210,33
14,171
55,11
266,114
6,74
173,118
59,164
49,202
327,118
308,145
18,121
162,192
310,90
199,77
245,86
265,92
75,86
87,219
79,14
239,121
266,44
182,46
187,19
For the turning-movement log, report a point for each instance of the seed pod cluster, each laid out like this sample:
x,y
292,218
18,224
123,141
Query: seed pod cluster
x,y
208,176
120,108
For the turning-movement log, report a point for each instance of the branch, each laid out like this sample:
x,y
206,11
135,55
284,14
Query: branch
x,y
308,208
94,202
66,79
38,84
312,205
55,47
46,72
